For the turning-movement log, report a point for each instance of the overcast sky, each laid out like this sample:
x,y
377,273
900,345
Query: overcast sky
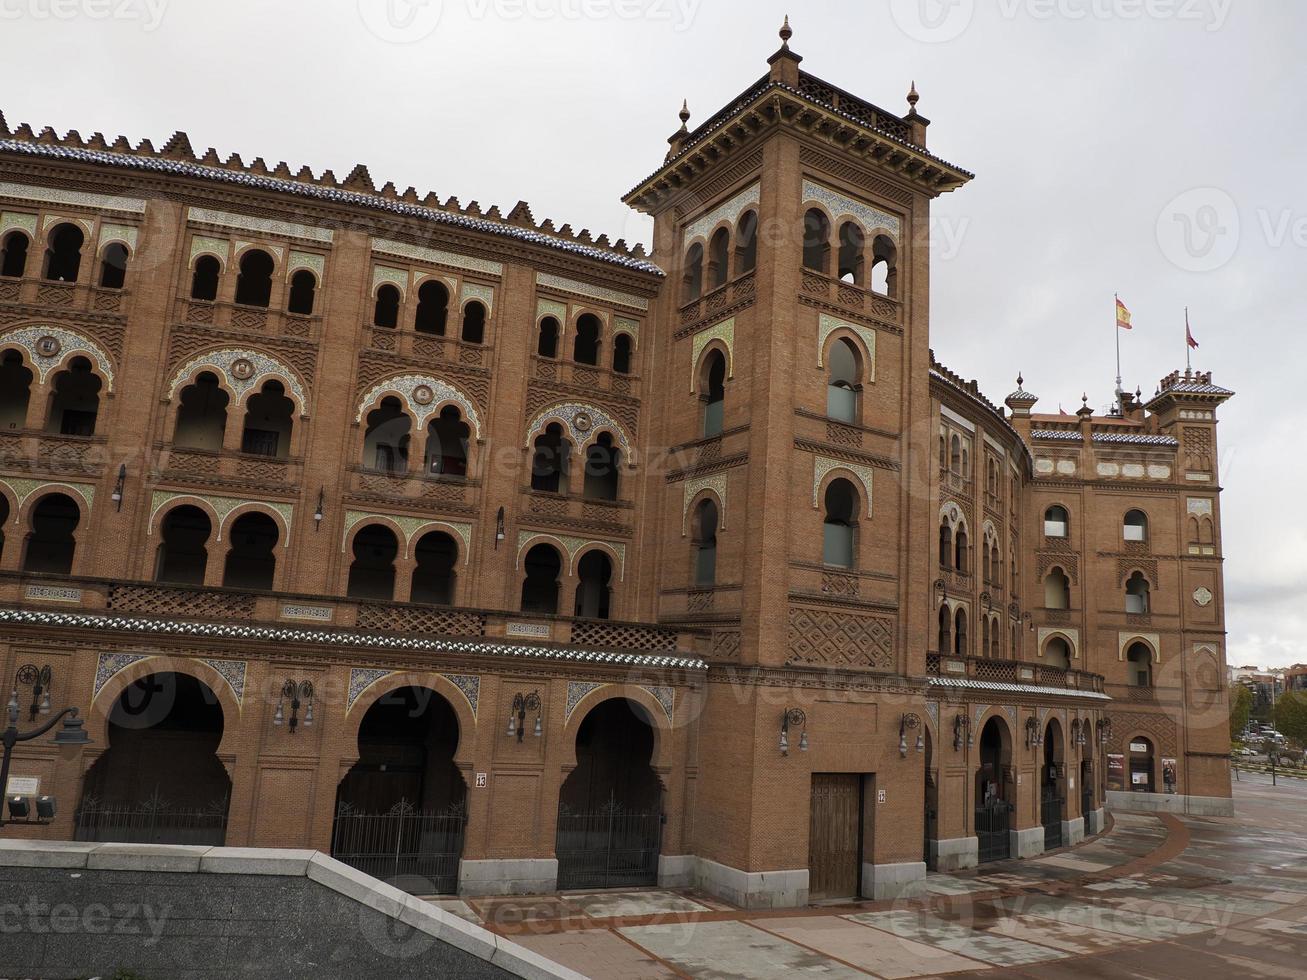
x,y
1151,147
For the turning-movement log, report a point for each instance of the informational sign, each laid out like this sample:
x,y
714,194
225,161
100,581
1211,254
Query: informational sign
x,y
23,786
1139,778
1116,772
1169,777
1139,747
481,780
880,796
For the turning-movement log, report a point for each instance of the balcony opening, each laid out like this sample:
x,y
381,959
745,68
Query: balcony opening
x,y
1057,522
51,544
961,642
15,390
254,281
622,354
945,546
303,293
435,577
447,440
712,392
585,348
474,323
593,595
4,521
853,245
202,414
75,403
540,586
13,255
1136,526
547,345
719,250
1137,594
884,267
252,555
1057,589
746,243
204,280
816,241
839,528
843,382
385,312
1057,653
372,573
386,439
113,266
692,278
602,465
268,422
433,308
1139,660
944,636
705,544
549,462
63,257
183,557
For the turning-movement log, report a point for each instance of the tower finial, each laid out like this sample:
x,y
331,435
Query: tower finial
x,y
1021,382
913,95
685,112
786,33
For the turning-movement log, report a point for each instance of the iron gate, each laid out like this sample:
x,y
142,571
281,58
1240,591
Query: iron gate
x,y
415,850
153,821
612,847
993,823
1050,810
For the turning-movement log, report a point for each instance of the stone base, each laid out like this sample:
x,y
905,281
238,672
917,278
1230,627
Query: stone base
x,y
956,854
881,882
1197,806
1027,843
752,889
1073,831
676,871
508,876
1095,822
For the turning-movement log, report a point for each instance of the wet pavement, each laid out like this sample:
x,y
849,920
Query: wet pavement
x,y
1156,896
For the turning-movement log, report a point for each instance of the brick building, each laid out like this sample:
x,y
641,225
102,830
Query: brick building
x,y
357,520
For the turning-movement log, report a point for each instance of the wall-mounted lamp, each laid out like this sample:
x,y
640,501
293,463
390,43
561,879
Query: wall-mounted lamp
x,y
987,601
499,528
1104,730
962,730
299,695
39,679
317,514
1033,741
1029,620
794,718
119,484
941,590
910,722
522,703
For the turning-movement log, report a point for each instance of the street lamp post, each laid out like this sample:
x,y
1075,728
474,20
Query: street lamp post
x,y
72,733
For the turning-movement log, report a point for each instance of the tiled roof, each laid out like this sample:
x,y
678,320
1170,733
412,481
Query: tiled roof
x,y
1130,439
331,195
1008,688
358,639
1058,435
1194,388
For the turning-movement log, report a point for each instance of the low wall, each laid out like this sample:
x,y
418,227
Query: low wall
x,y
200,913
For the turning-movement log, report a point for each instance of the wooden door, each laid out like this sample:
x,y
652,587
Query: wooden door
x,y
835,836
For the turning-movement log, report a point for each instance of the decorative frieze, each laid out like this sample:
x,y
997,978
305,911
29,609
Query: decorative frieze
x,y
223,508
306,260
78,199
118,233
600,293
576,692
828,324
410,527
729,212
111,664
873,220
243,371
583,423
424,396
822,465
433,256
723,331
10,220
22,488
482,294
233,672
396,277
50,346
262,226
692,488
219,248
573,546
624,324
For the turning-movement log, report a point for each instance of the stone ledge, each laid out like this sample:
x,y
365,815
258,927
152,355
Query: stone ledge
x,y
955,854
882,882
1196,806
753,889
1027,843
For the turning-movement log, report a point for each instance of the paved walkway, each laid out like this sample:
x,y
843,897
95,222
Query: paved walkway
x,y
1157,896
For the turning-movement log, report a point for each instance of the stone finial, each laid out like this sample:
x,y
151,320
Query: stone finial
x,y
684,115
1021,382
913,96
1085,412
786,33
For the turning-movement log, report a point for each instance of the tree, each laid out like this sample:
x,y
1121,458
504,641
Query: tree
x,y
1241,705
1291,716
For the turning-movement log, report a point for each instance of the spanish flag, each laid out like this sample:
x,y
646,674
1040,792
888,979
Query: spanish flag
x,y
1122,315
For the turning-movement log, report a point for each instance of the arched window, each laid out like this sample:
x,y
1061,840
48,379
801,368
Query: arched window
x,y
984,636
4,521
75,404
692,278
1013,572
622,354
840,524
201,415
1057,653
705,544
852,245
602,466
1136,594
987,563
962,551
252,553
585,348
1139,661
50,543
204,280
15,390
303,293
549,462
385,313
433,308
269,418
955,455
540,585
1057,522
712,392
746,243
1057,589
372,573
1136,526
254,281
945,635
474,323
995,640
844,381
435,576
719,250
183,556
13,255
884,267
63,257
961,646
113,266
945,545
386,439
593,594
447,439
816,241
547,345
943,452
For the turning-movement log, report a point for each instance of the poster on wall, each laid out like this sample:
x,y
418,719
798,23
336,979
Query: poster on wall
x,y
1116,772
1169,778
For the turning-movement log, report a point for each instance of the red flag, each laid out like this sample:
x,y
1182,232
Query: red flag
x,y
1188,334
1123,316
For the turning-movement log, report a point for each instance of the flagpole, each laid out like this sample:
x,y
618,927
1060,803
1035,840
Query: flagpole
x,y
1116,328
1188,351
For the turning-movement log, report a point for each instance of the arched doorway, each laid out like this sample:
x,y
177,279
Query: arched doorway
x,y
931,822
401,809
610,805
993,793
160,781
1052,779
1141,765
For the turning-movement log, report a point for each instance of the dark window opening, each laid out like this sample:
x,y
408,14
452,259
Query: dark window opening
x,y
13,255
540,585
50,544
386,439
602,463
585,349
746,243
719,250
816,241
113,266
372,573
254,282
474,323
202,415
76,401
692,278
713,394
268,422
303,293
705,544
182,556
252,553
549,462
433,308
622,354
839,525
547,345
435,577
63,258
204,280
447,439
386,311
593,594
